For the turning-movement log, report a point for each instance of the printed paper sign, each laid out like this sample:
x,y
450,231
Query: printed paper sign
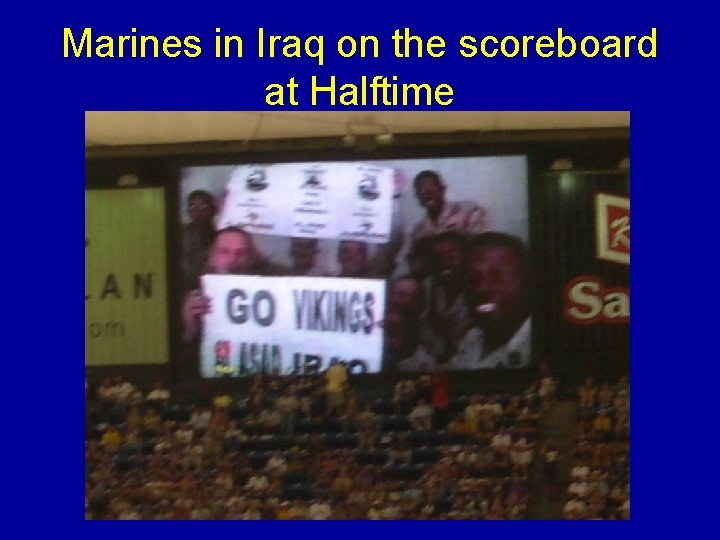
x,y
344,201
291,324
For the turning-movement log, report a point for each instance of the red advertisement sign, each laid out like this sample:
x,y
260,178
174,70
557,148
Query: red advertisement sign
x,y
612,225
589,301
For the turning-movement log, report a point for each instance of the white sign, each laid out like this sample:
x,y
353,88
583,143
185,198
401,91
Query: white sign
x,y
288,324
343,201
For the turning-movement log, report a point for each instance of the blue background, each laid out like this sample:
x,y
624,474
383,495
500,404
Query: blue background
x,y
673,187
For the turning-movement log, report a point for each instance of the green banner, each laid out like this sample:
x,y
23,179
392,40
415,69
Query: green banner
x,y
125,277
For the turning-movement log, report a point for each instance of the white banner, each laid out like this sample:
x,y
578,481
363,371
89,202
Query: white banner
x,y
343,201
263,324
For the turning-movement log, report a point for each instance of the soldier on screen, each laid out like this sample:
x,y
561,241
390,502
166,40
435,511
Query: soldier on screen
x,y
498,300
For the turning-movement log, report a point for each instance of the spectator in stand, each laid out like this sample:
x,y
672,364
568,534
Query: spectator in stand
x,y
105,393
473,410
575,508
440,398
288,406
621,403
497,510
283,511
120,394
274,385
336,384
253,511
233,435
492,407
320,509
257,396
600,456
222,401
422,383
521,455
501,441
623,385
159,394
580,470
457,426
404,396
551,461
151,422
583,437
200,420
587,394
257,483
350,413
421,416
276,465
528,412
546,386
133,421
400,451
367,425
466,458
342,485
485,460
578,488
298,510
512,409
594,511
622,428
111,439
375,511
269,420
136,397
184,435
604,396
218,418
597,485
602,426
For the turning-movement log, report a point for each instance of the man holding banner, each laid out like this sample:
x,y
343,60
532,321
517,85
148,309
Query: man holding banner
x,y
232,252
263,325
254,323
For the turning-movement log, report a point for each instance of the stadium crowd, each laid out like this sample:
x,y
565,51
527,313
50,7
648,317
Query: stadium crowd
x,y
599,485
289,449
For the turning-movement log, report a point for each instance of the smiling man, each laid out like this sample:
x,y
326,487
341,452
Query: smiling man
x,y
442,215
497,297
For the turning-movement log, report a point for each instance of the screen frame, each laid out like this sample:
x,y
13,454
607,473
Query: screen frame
x,y
161,165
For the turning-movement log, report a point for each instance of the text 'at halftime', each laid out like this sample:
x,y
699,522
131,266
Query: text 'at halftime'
x,y
373,89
